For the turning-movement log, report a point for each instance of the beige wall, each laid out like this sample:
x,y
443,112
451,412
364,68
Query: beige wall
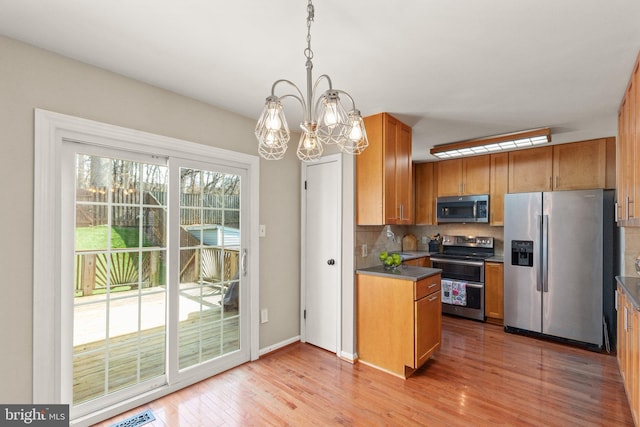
x,y
32,78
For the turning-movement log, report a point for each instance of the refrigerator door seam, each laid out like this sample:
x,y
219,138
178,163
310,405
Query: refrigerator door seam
x,y
545,254
539,265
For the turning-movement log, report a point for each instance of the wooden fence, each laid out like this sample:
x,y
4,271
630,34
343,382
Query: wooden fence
x,y
142,269
195,208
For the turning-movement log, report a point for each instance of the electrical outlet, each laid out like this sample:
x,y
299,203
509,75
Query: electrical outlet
x,y
425,240
365,250
264,315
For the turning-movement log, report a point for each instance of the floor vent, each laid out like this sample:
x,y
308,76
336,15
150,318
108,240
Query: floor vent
x,y
136,420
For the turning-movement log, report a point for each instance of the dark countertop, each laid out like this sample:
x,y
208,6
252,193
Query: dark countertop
x,y
495,259
631,286
405,272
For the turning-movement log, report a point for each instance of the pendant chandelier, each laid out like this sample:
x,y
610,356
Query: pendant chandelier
x,y
326,121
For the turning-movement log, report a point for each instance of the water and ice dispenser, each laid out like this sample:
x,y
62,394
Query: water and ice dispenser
x,y
522,253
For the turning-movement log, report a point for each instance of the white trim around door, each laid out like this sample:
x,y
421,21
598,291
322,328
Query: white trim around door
x,y
50,352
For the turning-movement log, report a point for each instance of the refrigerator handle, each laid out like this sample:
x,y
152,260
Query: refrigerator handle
x,y
539,263
545,253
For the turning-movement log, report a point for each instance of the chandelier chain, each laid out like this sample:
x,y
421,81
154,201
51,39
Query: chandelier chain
x,y
308,53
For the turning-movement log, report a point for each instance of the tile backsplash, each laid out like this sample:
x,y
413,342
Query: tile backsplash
x,y
631,249
376,240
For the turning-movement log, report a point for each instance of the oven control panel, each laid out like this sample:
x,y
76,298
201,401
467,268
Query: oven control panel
x,y
468,241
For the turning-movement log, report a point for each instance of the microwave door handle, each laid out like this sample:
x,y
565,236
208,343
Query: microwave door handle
x,y
475,210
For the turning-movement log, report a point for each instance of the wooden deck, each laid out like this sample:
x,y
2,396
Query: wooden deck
x,y
481,376
201,337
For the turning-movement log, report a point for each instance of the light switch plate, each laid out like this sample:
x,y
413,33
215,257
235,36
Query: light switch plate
x,y
263,230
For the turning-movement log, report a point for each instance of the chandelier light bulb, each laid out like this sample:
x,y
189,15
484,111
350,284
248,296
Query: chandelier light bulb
x,y
356,133
309,148
310,141
270,139
331,114
273,122
356,141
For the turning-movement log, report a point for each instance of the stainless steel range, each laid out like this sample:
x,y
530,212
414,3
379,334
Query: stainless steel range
x,y
462,265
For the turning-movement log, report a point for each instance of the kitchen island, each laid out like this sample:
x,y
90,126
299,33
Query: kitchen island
x,y
399,317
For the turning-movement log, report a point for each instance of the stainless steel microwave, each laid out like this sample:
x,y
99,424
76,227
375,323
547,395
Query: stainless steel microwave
x,y
463,209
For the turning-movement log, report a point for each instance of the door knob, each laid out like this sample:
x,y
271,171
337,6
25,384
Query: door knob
x,y
331,261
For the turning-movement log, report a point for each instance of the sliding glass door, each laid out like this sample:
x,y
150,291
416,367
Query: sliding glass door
x,y
157,283
209,279
119,288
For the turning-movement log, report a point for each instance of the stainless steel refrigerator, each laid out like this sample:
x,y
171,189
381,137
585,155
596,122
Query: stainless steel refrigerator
x,y
558,264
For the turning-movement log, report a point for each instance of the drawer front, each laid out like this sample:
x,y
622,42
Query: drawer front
x,y
418,262
426,286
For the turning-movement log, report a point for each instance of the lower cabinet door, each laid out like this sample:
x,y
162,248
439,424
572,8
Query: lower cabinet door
x,y
428,325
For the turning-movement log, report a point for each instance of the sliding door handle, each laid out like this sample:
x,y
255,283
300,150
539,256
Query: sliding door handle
x,y
243,262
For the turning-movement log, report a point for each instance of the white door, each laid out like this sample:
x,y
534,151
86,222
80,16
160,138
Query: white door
x,y
322,253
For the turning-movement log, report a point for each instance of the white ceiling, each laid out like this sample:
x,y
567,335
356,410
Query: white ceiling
x,y
452,69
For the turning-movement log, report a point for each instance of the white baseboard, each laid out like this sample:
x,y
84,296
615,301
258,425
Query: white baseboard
x,y
276,346
349,357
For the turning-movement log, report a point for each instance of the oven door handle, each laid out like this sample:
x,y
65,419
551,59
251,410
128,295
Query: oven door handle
x,y
468,284
473,285
458,261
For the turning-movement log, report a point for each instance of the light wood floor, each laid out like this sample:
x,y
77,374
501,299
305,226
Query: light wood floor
x,y
480,377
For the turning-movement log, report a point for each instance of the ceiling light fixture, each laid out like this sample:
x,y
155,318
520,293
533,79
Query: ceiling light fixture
x,y
325,121
490,144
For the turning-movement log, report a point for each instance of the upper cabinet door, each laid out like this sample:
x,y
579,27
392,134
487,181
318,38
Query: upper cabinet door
x,y
634,139
530,170
449,177
404,176
475,175
499,181
425,195
384,184
370,166
391,208
465,176
583,165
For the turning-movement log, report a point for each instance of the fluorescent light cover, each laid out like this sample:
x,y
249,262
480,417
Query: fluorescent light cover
x,y
505,142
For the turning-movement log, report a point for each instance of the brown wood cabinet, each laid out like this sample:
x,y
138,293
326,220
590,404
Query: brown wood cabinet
x,y
628,151
399,322
419,262
575,166
499,186
530,170
425,198
628,350
465,176
384,187
584,165
494,292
